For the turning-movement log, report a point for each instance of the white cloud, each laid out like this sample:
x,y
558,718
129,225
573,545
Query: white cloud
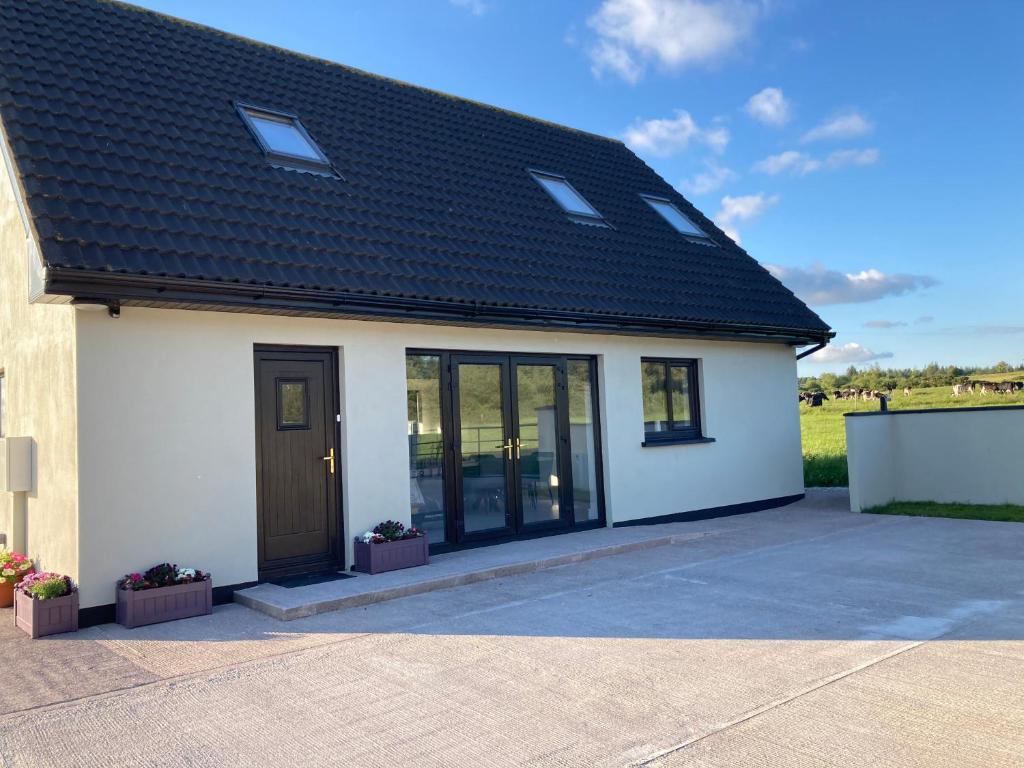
x,y
844,157
708,180
742,208
851,352
716,137
769,107
672,33
668,135
884,324
476,7
818,285
790,161
801,163
924,319
844,125
606,57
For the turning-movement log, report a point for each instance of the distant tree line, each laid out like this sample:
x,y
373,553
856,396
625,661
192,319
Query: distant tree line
x,y
876,377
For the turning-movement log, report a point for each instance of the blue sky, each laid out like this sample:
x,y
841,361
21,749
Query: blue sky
x,y
869,152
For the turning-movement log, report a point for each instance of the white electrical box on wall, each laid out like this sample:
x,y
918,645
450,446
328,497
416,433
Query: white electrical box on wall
x,y
15,464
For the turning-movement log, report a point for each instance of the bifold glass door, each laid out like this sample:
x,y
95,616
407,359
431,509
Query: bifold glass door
x,y
502,445
539,438
484,449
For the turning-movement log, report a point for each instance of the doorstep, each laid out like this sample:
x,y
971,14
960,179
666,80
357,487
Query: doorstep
x,y
455,569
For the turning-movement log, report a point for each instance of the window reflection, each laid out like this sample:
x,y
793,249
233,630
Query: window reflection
x,y
426,444
681,417
655,400
583,451
538,434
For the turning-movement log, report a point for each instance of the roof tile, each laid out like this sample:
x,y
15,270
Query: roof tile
x,y
134,160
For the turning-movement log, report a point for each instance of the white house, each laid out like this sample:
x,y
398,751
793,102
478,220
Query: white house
x,y
254,303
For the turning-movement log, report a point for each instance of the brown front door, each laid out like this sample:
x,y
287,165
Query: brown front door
x,y
298,514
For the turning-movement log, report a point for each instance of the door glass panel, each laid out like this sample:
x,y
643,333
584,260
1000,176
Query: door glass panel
x,y
481,421
681,417
292,404
655,401
538,442
582,448
426,444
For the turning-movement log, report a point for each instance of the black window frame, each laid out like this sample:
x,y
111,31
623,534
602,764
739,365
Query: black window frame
x,y
595,219
672,436
322,165
700,236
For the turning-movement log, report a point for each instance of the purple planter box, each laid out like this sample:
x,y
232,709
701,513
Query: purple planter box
x,y
152,606
40,618
391,555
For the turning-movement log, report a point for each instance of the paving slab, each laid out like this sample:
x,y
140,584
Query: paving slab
x,y
457,569
803,636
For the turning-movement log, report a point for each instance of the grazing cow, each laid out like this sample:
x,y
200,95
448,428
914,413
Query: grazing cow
x,y
987,387
837,394
813,399
962,389
906,391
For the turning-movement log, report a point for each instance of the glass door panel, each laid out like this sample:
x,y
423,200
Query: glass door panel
x,y
582,442
486,449
426,445
537,445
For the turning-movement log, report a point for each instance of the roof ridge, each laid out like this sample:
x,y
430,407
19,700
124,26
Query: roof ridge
x,y
373,75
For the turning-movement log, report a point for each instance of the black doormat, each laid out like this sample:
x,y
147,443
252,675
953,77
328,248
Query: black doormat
x,y
309,579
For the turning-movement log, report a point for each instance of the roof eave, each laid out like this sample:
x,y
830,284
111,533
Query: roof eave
x,y
106,287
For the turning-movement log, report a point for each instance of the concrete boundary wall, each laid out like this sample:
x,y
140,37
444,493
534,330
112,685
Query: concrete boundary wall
x,y
971,455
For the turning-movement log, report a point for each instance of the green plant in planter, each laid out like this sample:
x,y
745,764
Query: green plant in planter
x,y
13,566
46,586
163,575
390,530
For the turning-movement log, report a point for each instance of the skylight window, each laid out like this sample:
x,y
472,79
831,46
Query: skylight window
x,y
675,217
565,195
283,138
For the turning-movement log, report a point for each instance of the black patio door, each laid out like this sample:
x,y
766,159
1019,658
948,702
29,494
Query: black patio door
x,y
510,443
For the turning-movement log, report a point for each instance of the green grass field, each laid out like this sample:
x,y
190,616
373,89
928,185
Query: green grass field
x,y
824,432
1004,513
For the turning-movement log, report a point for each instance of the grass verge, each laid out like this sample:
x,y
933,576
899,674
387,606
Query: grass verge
x,y
1003,513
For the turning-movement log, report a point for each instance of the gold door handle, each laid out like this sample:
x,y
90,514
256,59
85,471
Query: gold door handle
x,y
507,447
518,446
330,457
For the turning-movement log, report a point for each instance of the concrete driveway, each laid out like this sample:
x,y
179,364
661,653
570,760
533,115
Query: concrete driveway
x,y
805,636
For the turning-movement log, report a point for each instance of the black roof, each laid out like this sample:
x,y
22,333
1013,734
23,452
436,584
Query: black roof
x,y
145,186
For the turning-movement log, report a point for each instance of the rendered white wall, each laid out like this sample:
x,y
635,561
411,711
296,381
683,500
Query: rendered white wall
x,y
972,456
167,446
37,355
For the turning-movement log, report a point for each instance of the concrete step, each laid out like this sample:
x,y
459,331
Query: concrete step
x,y
456,569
